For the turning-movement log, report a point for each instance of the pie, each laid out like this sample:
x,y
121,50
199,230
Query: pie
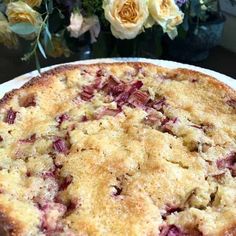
x,y
118,149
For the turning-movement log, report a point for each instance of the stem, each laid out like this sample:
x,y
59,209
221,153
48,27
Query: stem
x,y
38,37
197,25
135,47
41,26
218,8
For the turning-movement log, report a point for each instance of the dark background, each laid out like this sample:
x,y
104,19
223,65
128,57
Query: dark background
x,y
11,66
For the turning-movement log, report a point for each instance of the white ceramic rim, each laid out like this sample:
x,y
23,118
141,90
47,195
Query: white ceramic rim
x,y
19,81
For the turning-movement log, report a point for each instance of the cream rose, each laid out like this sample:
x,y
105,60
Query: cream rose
x,y
127,17
76,21
19,12
34,3
167,14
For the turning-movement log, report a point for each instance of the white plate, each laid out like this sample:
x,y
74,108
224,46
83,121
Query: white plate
x,y
19,81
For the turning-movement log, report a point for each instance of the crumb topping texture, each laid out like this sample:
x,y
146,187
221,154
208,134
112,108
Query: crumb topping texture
x,y
118,149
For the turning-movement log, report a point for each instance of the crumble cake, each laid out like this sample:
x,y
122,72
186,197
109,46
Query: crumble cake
x,y
118,149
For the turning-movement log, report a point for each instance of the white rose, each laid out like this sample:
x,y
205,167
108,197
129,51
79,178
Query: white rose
x,y
80,25
76,20
93,24
127,17
34,3
167,14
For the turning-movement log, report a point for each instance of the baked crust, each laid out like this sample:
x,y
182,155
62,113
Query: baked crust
x,y
138,143
45,76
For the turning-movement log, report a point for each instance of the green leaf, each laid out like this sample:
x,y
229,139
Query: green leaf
x,y
46,5
46,36
50,6
104,46
47,39
233,2
185,23
60,14
23,28
48,32
26,57
195,8
37,63
42,50
158,41
182,33
2,7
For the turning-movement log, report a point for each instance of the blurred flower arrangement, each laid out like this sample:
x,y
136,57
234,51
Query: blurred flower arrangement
x,y
50,25
200,11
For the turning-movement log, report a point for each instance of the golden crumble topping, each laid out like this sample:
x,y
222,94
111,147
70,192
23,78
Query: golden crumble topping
x,y
118,149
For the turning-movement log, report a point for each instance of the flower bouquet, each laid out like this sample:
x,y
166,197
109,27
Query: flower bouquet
x,y
52,26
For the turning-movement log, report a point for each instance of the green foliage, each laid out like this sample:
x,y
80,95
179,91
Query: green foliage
x,y
146,44
2,6
198,12
41,49
42,33
37,62
92,7
36,45
202,9
23,28
49,6
233,2
47,38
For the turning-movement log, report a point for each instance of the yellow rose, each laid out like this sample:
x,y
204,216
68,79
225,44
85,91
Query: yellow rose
x,y
34,3
19,12
7,37
127,17
167,14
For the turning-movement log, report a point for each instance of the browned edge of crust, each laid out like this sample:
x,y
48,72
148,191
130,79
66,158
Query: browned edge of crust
x,y
44,77
218,84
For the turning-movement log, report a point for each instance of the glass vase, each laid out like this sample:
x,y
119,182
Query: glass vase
x,y
146,44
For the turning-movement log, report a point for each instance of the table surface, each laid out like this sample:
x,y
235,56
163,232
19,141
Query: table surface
x,y
11,66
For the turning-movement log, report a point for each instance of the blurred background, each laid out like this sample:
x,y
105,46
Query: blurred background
x,y
206,38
